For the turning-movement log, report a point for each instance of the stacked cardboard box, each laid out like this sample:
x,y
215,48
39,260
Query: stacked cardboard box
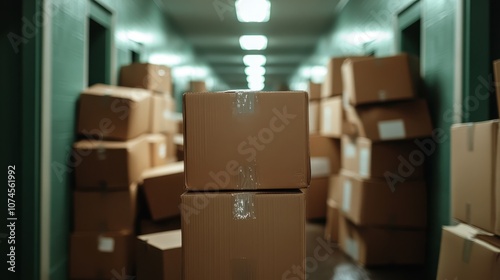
x,y
247,160
381,192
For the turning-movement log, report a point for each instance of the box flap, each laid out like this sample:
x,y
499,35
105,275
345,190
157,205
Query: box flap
x,y
163,240
133,94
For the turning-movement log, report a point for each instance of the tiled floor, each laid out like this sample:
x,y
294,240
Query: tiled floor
x,y
339,267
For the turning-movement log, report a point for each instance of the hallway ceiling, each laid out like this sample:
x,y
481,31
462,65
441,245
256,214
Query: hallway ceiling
x,y
293,31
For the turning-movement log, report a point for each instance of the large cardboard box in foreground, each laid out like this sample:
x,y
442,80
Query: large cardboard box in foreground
x,y
110,165
372,246
333,84
246,140
159,256
101,255
379,79
390,121
105,210
468,254
234,235
475,174
374,203
116,113
162,187
332,117
149,76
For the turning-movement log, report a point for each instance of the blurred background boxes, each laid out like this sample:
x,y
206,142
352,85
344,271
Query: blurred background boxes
x,y
159,256
153,77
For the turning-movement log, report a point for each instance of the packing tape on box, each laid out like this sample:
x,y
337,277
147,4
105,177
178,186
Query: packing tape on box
x,y
247,177
470,136
243,269
243,206
245,102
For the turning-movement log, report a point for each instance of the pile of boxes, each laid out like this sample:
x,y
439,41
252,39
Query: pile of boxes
x,y
377,205
247,163
125,152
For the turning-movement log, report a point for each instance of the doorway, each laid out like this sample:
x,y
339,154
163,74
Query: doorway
x,y
99,45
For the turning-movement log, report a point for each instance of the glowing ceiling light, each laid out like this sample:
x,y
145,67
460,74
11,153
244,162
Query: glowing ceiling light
x,y
255,71
256,86
253,10
165,59
254,60
253,42
256,79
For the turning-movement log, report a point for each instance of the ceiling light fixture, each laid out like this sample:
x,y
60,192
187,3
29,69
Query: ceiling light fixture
x,y
255,71
253,42
256,79
256,86
253,10
254,60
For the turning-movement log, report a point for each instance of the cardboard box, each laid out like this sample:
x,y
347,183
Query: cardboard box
x,y
316,198
230,235
333,84
110,112
242,140
378,80
373,202
314,90
371,246
332,117
109,165
197,86
148,226
161,149
335,189
475,187
163,117
159,256
390,121
370,159
149,76
162,187
104,255
314,115
105,211
467,253
325,152
332,221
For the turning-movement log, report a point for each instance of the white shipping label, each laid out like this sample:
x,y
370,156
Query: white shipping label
x,y
393,129
350,150
327,121
346,197
364,162
106,244
352,248
320,167
162,150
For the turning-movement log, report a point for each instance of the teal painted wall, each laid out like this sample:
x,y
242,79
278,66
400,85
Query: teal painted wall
x,y
365,26
68,72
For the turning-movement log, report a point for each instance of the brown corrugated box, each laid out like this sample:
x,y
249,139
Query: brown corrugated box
x,y
162,187
373,202
197,86
105,210
243,140
314,114
161,149
468,254
159,256
109,165
378,80
110,112
370,159
163,117
148,226
325,150
104,255
475,187
333,84
230,235
332,117
316,196
148,76
335,189
314,90
332,221
373,246
390,121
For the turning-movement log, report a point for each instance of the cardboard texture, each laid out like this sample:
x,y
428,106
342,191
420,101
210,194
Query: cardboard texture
x,y
242,140
148,226
332,221
370,159
475,187
197,86
249,235
105,211
371,246
110,165
332,117
324,149
115,113
101,255
333,84
335,189
373,202
378,80
464,255
149,76
162,115
314,115
390,121
314,90
496,71
162,187
161,149
316,196
159,256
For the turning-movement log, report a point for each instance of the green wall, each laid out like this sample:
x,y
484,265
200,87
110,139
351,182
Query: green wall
x,y
368,26
68,66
